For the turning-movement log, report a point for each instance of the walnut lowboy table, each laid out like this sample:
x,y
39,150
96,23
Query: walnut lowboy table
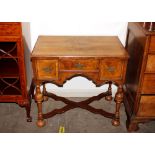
x,y
56,59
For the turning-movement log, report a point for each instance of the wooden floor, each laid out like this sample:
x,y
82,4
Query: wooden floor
x,y
12,119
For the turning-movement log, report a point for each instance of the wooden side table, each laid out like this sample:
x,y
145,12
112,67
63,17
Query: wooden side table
x,y
56,59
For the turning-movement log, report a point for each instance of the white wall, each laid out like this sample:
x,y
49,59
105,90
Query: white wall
x,y
77,86
27,51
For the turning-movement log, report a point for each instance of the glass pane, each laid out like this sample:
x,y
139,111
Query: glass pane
x,y
9,67
10,86
8,49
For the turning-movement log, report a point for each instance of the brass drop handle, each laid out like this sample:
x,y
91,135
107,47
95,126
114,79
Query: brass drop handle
x,y
79,66
47,69
110,69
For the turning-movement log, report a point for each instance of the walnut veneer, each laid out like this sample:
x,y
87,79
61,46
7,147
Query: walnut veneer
x,y
56,59
140,78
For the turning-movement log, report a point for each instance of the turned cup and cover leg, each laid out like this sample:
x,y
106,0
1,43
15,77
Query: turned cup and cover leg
x,y
39,98
109,97
118,99
44,92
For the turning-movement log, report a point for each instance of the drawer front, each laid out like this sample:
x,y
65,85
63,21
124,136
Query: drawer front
x,y
111,69
147,106
78,64
10,29
152,44
148,86
150,66
47,69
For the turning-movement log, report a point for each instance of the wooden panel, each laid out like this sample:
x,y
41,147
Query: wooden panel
x,y
47,69
80,46
64,76
150,67
78,64
152,44
148,86
111,69
10,29
147,106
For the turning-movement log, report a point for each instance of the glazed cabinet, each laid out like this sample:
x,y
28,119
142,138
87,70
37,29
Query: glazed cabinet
x,y
13,87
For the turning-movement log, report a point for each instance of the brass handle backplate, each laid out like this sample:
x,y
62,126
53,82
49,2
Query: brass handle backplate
x,y
47,69
79,66
110,69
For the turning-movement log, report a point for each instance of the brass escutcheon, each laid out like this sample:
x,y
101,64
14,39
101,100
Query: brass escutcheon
x,y
47,69
110,69
79,66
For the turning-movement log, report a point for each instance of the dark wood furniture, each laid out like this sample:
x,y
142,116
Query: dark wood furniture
x,y
57,59
12,67
140,78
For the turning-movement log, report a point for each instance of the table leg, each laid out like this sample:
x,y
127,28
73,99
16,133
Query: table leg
x,y
39,99
109,97
118,100
44,92
28,109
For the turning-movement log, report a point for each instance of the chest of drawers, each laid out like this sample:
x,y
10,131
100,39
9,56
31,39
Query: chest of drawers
x,y
140,79
58,59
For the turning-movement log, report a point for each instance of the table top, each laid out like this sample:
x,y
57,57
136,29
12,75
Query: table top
x,y
79,46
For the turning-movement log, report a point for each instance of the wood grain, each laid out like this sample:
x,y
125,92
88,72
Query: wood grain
x,y
82,46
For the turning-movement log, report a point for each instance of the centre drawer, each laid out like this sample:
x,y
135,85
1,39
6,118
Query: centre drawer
x,y
74,64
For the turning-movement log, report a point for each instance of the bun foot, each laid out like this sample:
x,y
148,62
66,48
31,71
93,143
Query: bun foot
x,y
41,123
131,127
108,98
29,119
115,122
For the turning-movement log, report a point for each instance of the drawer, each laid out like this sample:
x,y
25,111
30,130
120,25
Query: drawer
x,y
152,44
47,69
150,66
148,86
10,29
147,106
111,69
78,64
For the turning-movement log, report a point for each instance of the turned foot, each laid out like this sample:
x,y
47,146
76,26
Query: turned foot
x,y
108,98
115,122
29,119
131,127
41,123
